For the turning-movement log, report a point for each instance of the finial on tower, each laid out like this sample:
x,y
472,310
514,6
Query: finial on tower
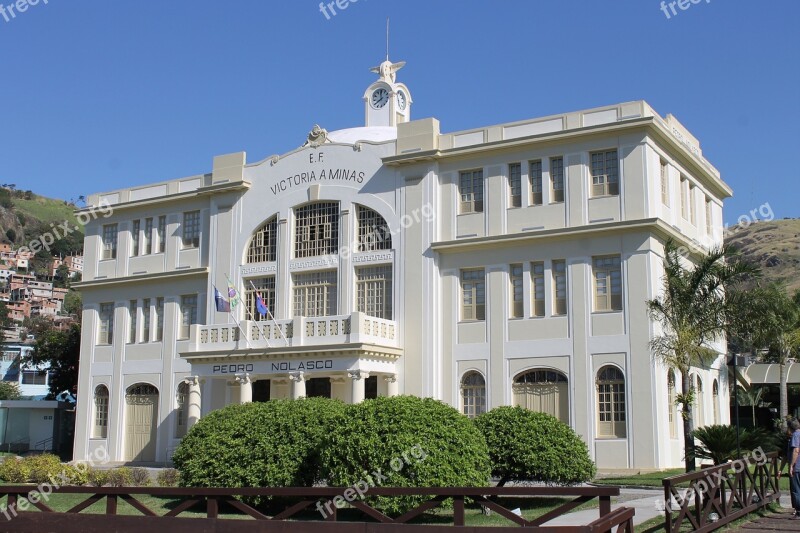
x,y
387,38
388,70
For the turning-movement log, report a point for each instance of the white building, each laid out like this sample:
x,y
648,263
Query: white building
x,y
509,264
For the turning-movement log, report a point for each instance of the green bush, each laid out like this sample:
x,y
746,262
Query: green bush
x,y
271,444
120,477
78,475
529,446
718,442
412,442
140,477
96,477
42,468
168,477
14,470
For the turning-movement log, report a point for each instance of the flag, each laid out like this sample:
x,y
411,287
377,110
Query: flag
x,y
223,305
233,296
261,306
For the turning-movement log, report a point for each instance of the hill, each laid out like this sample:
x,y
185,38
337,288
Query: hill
x,y
774,246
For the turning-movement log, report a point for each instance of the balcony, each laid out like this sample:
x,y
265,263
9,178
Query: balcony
x,y
280,335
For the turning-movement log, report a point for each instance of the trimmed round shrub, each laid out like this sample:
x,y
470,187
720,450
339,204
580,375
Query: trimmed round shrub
x,y
77,474
271,444
529,446
44,467
14,470
96,477
168,477
404,441
120,477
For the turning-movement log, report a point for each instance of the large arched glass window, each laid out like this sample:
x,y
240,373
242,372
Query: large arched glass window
x,y
264,244
316,229
180,410
373,231
715,398
100,430
473,394
671,402
545,391
611,408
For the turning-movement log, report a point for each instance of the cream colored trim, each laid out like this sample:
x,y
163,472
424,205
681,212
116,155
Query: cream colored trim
x,y
265,354
160,276
202,191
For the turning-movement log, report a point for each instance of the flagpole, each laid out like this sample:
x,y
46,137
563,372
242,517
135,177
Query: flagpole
x,y
253,318
280,330
235,321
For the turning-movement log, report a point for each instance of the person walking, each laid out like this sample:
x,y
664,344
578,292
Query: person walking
x,y
794,468
787,458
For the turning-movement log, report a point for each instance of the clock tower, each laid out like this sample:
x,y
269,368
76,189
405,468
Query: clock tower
x,y
386,102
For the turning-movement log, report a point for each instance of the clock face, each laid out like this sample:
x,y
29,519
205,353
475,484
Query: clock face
x,y
402,101
379,98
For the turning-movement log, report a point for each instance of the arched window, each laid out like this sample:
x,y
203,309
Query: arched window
x,y
671,402
180,410
473,394
100,430
373,231
264,244
611,403
545,391
715,398
316,229
699,404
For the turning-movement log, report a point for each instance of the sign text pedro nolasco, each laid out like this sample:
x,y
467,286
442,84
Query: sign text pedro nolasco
x,y
281,366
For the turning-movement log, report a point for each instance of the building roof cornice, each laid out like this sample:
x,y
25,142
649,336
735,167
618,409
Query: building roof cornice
x,y
103,283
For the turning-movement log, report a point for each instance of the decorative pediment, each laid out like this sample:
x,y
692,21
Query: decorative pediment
x,y
316,137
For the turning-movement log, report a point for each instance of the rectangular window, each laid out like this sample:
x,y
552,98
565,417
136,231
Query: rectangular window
x,y
316,229
607,283
605,173
664,183
374,291
535,168
517,292
191,229
537,287
684,199
265,287
109,241
709,218
159,319
146,320
188,315
106,324
133,309
148,236
470,187
135,229
100,413
515,184
473,294
557,179
34,377
315,294
161,234
560,287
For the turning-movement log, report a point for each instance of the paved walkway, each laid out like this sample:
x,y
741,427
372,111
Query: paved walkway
x,y
647,503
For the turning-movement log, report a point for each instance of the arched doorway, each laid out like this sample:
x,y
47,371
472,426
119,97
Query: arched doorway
x,y
141,418
545,391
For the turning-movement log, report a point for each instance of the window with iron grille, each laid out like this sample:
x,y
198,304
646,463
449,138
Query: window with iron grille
x,y
515,184
470,188
535,168
374,291
607,283
188,314
611,403
473,394
373,231
315,294
161,234
266,287
560,287
473,294
664,183
100,430
316,229
191,229
132,315
264,245
135,229
557,179
537,286
517,292
110,241
105,331
148,236
180,410
146,320
605,173
159,319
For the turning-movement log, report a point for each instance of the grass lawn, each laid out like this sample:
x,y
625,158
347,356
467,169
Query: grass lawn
x,y
652,479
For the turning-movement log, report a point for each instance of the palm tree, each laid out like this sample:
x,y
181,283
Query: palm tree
x,y
693,312
751,397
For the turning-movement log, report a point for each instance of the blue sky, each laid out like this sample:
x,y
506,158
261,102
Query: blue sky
x,y
98,95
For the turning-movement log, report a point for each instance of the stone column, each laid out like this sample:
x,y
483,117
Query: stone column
x,y
193,402
391,385
298,384
245,388
357,385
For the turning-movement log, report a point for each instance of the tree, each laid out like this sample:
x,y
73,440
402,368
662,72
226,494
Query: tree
x,y
9,390
694,313
61,350
5,320
62,278
73,304
751,397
